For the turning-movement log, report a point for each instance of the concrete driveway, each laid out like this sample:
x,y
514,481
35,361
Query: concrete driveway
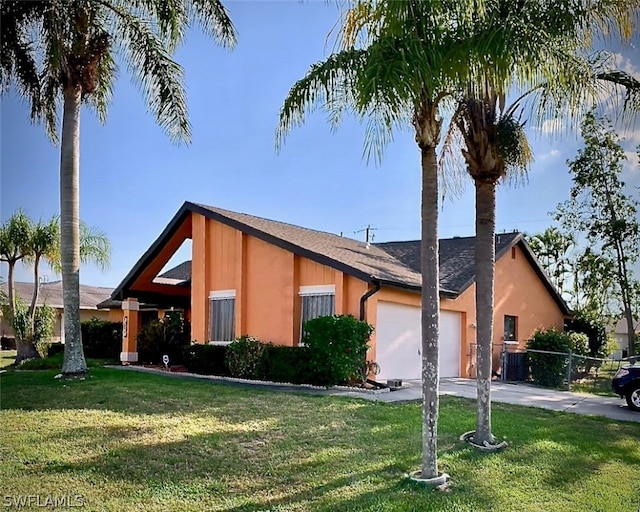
x,y
521,394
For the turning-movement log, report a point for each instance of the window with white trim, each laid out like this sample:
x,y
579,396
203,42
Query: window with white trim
x,y
510,328
222,316
316,301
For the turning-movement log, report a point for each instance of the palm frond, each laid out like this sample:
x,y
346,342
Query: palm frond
x,y
159,77
95,247
214,19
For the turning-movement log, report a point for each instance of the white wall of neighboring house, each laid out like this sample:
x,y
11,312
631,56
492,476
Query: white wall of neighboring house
x,y
621,336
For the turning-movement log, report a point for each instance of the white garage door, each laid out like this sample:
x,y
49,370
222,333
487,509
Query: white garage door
x,y
398,345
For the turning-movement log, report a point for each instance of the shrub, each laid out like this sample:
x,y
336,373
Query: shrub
x,y
169,336
595,331
55,349
206,359
245,359
548,369
288,364
337,347
101,339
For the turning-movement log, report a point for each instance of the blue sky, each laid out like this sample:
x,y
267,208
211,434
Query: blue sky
x,y
133,179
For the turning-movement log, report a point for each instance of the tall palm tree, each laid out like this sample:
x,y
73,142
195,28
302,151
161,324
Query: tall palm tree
x,y
397,64
542,50
79,40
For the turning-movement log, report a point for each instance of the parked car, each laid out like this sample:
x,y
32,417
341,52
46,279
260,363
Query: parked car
x,y
626,383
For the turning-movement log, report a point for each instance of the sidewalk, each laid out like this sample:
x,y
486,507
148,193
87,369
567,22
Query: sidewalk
x,y
520,394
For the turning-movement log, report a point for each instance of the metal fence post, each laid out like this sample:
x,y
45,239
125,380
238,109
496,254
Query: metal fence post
x,y
569,372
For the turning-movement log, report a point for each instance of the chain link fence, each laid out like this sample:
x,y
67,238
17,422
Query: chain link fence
x,y
561,370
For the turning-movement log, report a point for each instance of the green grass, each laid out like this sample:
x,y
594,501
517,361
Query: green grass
x,y
132,441
7,357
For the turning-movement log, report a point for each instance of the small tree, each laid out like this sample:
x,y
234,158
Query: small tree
x,y
552,248
600,208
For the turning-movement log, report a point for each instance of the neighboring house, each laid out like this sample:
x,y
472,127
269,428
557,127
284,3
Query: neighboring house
x,y
619,332
51,295
250,275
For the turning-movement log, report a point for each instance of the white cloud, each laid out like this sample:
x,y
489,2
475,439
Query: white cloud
x,y
549,155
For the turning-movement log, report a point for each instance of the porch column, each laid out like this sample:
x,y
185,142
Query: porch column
x,y
130,328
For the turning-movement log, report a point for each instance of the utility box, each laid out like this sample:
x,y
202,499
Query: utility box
x,y
394,383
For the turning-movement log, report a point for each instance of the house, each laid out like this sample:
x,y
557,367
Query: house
x,y
620,332
264,278
51,295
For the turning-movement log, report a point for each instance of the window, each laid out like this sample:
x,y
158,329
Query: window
x,y
316,301
222,305
510,328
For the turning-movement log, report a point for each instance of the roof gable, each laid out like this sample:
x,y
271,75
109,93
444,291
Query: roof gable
x,y
391,263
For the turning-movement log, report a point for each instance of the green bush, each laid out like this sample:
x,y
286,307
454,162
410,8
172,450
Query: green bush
x,y
288,364
595,331
548,369
55,349
206,359
245,358
169,336
337,347
102,339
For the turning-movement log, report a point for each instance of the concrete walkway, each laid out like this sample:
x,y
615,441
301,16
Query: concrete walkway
x,y
519,394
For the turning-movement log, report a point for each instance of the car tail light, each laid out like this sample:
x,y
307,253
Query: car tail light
x,y
621,373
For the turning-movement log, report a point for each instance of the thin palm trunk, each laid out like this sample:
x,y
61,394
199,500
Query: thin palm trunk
x,y
430,313
36,290
10,288
25,349
484,269
74,362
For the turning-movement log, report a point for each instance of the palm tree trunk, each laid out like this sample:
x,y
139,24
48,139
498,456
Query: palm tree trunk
x,y
430,313
484,267
11,289
36,290
25,349
74,362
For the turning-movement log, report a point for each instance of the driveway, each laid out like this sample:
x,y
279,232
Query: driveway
x,y
520,394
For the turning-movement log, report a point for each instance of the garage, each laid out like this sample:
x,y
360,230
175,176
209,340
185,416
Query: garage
x,y
398,345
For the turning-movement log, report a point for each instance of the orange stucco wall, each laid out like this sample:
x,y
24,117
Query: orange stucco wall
x,y
266,280
518,292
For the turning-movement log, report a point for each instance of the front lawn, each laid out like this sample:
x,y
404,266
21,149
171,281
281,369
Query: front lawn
x,y
134,441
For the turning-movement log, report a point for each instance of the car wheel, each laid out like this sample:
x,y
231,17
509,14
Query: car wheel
x,y
633,397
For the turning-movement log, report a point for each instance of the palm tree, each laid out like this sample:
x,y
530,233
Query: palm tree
x,y
15,239
398,63
23,240
542,51
78,41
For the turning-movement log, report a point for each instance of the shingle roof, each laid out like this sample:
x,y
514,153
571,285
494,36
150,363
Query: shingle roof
x,y
390,263
180,272
51,294
457,257
369,261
